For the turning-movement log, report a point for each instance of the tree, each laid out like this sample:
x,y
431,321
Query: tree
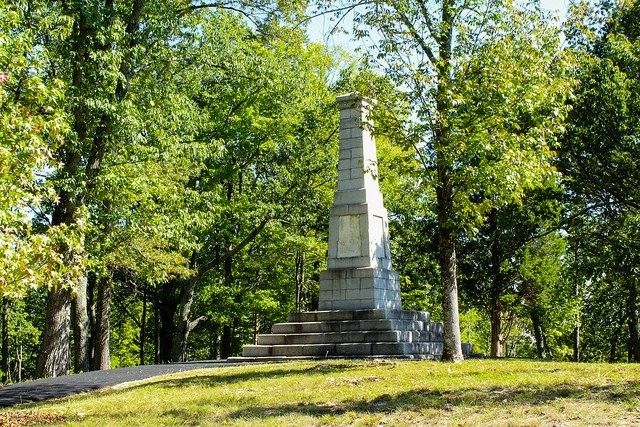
x,y
493,258
32,126
547,300
263,99
598,157
112,46
486,84
97,60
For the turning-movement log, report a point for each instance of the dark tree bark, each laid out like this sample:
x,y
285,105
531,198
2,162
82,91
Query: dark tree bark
x,y
538,334
102,331
184,325
576,329
156,333
167,305
256,328
633,345
495,317
227,331
225,342
452,350
576,344
91,311
213,342
300,260
613,343
5,339
80,321
55,355
496,289
143,328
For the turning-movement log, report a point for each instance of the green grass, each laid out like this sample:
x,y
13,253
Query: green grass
x,y
362,393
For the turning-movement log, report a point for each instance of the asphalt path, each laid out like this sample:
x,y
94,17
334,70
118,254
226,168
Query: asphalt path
x,y
67,385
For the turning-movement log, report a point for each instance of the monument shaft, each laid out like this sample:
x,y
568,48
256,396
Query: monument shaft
x,y
359,273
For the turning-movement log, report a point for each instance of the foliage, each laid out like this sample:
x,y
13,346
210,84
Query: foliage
x,y
32,126
24,326
182,155
598,158
506,91
486,87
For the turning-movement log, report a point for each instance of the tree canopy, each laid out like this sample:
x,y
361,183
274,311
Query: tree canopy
x,y
167,168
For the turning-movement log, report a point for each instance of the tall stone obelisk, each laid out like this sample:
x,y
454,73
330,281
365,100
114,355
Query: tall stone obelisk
x,y
359,273
359,312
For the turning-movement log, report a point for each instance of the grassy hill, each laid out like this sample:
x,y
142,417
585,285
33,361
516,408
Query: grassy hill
x,y
362,393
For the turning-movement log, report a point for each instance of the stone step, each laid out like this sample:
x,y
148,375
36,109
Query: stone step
x,y
346,337
354,325
338,315
432,349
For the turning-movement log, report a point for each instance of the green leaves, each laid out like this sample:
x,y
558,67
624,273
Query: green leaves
x,y
500,105
32,126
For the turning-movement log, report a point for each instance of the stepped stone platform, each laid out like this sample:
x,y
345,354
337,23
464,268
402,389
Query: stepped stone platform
x,y
350,333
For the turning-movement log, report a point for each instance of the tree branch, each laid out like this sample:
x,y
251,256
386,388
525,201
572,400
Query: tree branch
x,y
218,5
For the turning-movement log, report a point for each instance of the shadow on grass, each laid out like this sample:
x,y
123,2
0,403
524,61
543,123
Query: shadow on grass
x,y
424,398
217,378
212,379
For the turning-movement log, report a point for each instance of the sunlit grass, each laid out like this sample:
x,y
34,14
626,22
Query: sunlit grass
x,y
362,393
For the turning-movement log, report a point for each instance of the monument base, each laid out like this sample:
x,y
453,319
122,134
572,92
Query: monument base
x,y
359,288
350,333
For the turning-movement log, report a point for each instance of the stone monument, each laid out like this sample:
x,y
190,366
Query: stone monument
x,y
359,274
360,312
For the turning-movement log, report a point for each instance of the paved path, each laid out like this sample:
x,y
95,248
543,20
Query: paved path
x,y
67,385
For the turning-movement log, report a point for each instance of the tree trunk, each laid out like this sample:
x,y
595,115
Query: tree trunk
x,y
143,328
613,344
632,322
300,258
495,316
497,287
167,305
538,334
576,329
91,312
256,328
80,322
184,325
225,342
5,339
102,333
213,342
576,343
156,333
55,358
452,350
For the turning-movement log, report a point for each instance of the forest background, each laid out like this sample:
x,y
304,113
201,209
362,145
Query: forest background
x,y
167,169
